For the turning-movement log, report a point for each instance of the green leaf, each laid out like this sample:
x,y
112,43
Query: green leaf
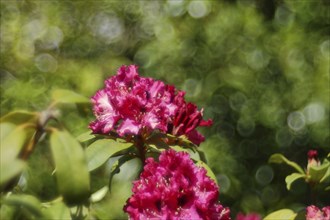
x,y
12,141
86,136
67,96
71,168
5,129
20,117
192,153
57,210
10,169
279,158
282,214
28,203
101,150
116,167
316,173
292,178
326,176
209,172
100,194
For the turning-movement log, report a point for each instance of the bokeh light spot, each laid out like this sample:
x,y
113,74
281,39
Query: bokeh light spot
x,y
46,63
264,175
314,112
224,182
197,9
108,28
296,121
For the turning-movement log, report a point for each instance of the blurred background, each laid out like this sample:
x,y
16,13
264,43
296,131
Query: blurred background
x,y
259,68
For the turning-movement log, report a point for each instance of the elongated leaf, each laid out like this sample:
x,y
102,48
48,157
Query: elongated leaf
x,y
67,96
285,214
316,173
5,129
279,158
292,178
208,170
12,143
116,167
101,150
10,169
326,176
13,139
71,168
20,117
193,154
28,203
87,136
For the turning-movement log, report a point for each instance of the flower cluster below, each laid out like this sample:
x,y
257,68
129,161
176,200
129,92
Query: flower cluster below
x,y
174,188
131,105
314,213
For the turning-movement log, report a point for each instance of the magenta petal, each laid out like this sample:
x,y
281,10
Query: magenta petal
x,y
128,127
195,137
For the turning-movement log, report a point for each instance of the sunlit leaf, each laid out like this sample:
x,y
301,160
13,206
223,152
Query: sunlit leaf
x,y
100,194
71,169
57,210
316,173
28,203
292,178
101,150
19,117
13,139
13,142
208,170
285,214
326,176
67,96
87,136
5,129
279,158
193,154
10,169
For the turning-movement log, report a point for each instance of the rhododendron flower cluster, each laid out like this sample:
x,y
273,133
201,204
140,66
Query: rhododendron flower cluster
x,y
174,188
134,105
314,213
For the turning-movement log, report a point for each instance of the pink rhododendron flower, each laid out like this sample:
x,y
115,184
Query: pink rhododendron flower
x,y
250,216
314,213
134,105
174,188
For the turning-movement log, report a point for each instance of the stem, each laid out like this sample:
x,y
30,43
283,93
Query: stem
x,y
139,143
44,117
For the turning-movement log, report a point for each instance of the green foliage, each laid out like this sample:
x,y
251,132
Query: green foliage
x,y
282,214
279,158
100,151
260,70
292,178
70,167
66,96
